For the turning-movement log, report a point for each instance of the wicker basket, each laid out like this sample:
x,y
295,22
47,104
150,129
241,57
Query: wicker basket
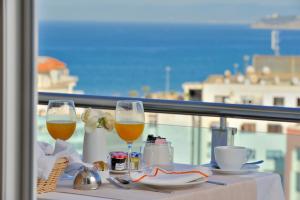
x,y
49,185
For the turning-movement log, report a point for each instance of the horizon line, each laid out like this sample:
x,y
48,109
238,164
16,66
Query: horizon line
x,y
149,22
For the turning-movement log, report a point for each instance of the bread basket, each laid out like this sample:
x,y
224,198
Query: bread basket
x,y
49,185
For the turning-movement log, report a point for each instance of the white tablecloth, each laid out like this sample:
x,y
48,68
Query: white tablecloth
x,y
254,186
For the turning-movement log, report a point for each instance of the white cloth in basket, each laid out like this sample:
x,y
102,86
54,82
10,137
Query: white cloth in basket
x,y
47,156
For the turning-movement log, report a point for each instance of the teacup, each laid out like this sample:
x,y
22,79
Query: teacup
x,y
231,157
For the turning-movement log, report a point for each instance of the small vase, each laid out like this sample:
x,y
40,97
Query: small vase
x,y
94,146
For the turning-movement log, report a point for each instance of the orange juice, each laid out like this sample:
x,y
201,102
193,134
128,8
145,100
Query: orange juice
x,y
129,131
61,129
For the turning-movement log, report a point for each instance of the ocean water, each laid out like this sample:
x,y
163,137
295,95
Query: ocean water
x,y
114,58
111,59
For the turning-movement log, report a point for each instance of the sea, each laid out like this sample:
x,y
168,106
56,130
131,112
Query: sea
x,y
116,58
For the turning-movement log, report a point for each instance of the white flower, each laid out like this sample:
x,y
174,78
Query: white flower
x,y
85,115
109,122
97,119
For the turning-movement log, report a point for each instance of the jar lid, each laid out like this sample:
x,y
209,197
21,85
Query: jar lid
x,y
118,155
135,154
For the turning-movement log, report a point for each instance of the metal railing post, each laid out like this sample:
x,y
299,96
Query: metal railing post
x,y
221,136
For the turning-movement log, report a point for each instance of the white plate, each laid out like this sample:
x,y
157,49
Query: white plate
x,y
175,185
175,180
244,170
122,171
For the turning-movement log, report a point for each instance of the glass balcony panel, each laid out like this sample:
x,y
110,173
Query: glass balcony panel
x,y
191,139
278,144
184,138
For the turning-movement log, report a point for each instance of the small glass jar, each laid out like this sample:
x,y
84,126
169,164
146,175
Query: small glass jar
x,y
135,160
118,161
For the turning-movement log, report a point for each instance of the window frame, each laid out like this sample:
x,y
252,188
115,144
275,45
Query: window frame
x,y
18,99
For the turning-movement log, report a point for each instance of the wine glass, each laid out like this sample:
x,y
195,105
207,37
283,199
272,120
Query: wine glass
x,y
129,125
61,119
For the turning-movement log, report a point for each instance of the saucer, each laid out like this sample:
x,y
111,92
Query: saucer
x,y
122,171
245,170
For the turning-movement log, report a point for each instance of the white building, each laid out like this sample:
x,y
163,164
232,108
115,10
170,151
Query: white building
x,y
271,81
53,76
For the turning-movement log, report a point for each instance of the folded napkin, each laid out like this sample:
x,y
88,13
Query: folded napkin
x,y
161,176
47,156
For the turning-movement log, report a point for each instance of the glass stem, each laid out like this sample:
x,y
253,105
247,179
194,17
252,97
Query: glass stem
x,y
129,159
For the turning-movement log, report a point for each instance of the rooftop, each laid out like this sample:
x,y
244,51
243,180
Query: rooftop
x,y
266,70
46,64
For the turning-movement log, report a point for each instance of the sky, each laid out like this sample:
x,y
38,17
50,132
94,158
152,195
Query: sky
x,y
164,11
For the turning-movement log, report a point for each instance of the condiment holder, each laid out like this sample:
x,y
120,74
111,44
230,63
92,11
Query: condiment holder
x,y
158,152
87,179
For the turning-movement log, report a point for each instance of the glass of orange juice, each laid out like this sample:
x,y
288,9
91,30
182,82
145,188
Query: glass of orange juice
x,y
129,124
61,119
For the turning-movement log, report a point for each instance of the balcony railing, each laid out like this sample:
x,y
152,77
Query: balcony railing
x,y
269,113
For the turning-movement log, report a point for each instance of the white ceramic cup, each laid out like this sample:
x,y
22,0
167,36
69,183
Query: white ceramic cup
x,y
231,157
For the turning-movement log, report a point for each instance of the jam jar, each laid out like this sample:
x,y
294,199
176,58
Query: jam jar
x,y
118,161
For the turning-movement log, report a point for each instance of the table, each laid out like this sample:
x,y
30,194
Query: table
x,y
254,186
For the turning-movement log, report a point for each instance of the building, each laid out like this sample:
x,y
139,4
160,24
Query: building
x,y
276,21
53,76
165,95
287,68
271,81
292,163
